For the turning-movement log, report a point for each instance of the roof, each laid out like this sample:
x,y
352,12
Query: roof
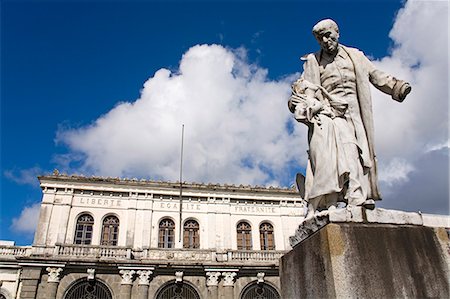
x,y
58,177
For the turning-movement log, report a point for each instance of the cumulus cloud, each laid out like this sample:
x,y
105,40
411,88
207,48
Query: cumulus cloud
x,y
235,125
24,176
238,129
28,219
407,132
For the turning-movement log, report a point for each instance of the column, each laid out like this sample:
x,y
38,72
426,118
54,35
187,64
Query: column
x,y
212,284
144,282
52,281
228,284
126,284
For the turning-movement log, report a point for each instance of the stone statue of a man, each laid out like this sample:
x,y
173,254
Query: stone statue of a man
x,y
332,98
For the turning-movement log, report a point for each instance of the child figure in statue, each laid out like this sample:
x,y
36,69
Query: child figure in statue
x,y
323,114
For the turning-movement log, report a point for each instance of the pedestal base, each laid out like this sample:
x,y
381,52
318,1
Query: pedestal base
x,y
368,260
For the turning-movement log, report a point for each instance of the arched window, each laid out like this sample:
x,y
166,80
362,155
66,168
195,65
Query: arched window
x,y
174,291
266,236
88,289
83,231
110,231
166,237
260,291
191,237
244,236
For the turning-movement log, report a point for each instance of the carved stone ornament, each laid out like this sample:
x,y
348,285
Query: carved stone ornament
x,y
179,276
91,274
127,276
228,278
260,277
213,278
144,276
53,274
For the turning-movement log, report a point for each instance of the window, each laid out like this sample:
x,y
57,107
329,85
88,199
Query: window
x,y
174,291
83,231
266,236
88,289
191,237
166,235
244,236
263,291
110,231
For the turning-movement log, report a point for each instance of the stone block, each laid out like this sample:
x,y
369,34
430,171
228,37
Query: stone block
x,y
31,273
367,260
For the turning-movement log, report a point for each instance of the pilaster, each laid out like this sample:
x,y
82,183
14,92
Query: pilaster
x,y
144,282
52,281
212,284
228,284
126,284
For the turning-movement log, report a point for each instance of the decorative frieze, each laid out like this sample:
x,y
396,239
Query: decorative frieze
x,y
53,274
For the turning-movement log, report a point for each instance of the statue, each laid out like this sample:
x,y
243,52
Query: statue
x,y
332,97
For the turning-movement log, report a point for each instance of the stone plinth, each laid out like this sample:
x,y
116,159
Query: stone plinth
x,y
371,258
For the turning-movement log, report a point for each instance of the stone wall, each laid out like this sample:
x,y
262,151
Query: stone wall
x,y
372,260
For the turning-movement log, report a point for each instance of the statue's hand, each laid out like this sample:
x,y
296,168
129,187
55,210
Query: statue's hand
x,y
405,90
401,90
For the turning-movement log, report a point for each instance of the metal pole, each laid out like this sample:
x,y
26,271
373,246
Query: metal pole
x,y
181,182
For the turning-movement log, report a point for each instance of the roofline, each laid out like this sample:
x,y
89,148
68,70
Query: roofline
x,y
151,183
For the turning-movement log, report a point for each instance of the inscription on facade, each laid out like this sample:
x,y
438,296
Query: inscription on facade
x,y
175,206
255,209
106,202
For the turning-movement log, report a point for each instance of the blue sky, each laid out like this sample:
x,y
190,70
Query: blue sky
x,y
71,71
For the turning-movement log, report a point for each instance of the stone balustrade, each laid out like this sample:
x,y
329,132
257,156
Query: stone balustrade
x,y
255,255
92,251
70,251
178,254
13,251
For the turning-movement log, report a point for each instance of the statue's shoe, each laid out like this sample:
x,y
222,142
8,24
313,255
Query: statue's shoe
x,y
369,204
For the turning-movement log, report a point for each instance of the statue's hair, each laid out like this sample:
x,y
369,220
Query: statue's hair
x,y
323,25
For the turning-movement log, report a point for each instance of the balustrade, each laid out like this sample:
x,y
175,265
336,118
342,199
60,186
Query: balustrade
x,y
146,254
255,255
15,250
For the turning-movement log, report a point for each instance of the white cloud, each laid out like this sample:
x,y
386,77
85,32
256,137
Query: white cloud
x,y
235,125
406,132
24,176
420,57
28,219
236,118
396,171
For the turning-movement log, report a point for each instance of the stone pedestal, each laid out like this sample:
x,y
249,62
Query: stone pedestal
x,y
359,254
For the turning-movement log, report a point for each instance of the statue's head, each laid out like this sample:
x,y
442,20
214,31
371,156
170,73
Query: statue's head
x,y
327,34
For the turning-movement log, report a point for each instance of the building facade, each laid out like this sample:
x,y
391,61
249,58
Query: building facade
x,y
119,238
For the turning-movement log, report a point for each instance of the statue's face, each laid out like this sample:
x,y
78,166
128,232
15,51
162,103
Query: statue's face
x,y
328,40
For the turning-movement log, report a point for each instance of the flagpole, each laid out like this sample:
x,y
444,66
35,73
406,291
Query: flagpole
x,y
181,182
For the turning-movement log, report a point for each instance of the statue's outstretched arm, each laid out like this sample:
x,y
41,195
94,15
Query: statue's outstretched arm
x,y
388,84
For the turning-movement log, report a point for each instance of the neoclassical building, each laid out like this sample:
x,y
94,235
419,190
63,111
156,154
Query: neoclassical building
x,y
129,238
